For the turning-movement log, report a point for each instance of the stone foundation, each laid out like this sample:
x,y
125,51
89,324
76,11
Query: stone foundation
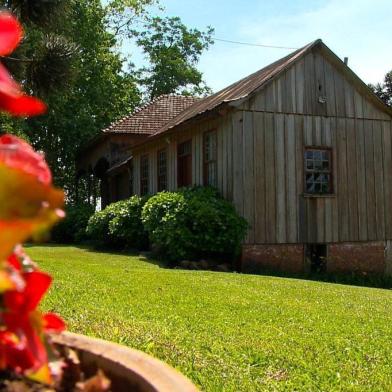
x,y
348,257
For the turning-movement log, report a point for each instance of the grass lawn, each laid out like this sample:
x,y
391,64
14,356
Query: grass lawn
x,y
228,332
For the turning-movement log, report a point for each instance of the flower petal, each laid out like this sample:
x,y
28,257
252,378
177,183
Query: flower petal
x,y
37,283
14,262
53,323
10,33
17,154
22,106
42,375
8,86
6,282
14,101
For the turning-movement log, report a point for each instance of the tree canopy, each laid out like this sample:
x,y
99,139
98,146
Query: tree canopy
x,y
173,51
384,90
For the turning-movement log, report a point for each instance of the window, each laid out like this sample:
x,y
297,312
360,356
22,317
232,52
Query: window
x,y
144,174
209,158
318,171
162,170
184,164
131,178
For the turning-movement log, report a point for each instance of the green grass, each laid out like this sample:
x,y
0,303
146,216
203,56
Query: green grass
x,y
228,332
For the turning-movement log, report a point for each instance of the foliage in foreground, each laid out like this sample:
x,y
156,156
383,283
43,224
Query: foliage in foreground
x,y
228,332
193,223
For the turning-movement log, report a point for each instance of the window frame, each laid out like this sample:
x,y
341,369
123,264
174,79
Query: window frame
x,y
144,177
161,188
206,162
328,149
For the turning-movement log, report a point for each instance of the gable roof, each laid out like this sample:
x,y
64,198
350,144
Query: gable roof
x,y
152,116
244,88
239,89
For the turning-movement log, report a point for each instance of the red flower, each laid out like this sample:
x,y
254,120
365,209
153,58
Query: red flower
x,y
12,98
29,205
17,154
22,319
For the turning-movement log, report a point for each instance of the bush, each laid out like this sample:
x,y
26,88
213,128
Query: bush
x,y
98,226
126,226
119,225
193,223
72,229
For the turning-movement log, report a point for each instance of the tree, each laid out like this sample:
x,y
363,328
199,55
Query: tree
x,y
173,52
384,90
100,92
43,62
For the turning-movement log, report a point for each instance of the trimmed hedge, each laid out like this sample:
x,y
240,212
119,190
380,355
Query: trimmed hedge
x,y
72,229
119,225
193,223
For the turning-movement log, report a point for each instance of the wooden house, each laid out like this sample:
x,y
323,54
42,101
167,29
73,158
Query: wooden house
x,y
303,149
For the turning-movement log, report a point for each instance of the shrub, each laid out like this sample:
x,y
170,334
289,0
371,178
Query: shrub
x,y
193,223
119,225
126,226
98,226
72,229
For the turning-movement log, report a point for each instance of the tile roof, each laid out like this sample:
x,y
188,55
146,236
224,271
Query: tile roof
x,y
152,116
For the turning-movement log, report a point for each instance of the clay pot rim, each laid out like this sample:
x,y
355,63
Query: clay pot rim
x,y
150,372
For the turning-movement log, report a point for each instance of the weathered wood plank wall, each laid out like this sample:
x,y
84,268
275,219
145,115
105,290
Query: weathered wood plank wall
x,y
362,171
298,90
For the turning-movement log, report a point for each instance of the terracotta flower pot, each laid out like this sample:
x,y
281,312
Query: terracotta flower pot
x,y
128,369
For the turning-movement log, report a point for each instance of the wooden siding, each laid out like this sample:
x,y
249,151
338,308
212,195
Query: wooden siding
x,y
299,88
277,209
260,166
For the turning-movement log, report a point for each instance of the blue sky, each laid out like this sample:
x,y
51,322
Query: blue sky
x,y
358,29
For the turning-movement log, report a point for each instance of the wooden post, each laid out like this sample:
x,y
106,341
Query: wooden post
x,y
89,187
94,192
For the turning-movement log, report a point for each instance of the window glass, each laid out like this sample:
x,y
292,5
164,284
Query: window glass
x,y
210,158
318,171
144,175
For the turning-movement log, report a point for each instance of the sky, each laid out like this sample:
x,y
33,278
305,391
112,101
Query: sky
x,y
358,29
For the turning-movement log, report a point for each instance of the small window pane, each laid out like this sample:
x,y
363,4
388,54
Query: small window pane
x,y
318,179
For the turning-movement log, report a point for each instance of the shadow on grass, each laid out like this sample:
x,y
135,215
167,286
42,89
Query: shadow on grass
x,y
375,281
369,280
88,247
